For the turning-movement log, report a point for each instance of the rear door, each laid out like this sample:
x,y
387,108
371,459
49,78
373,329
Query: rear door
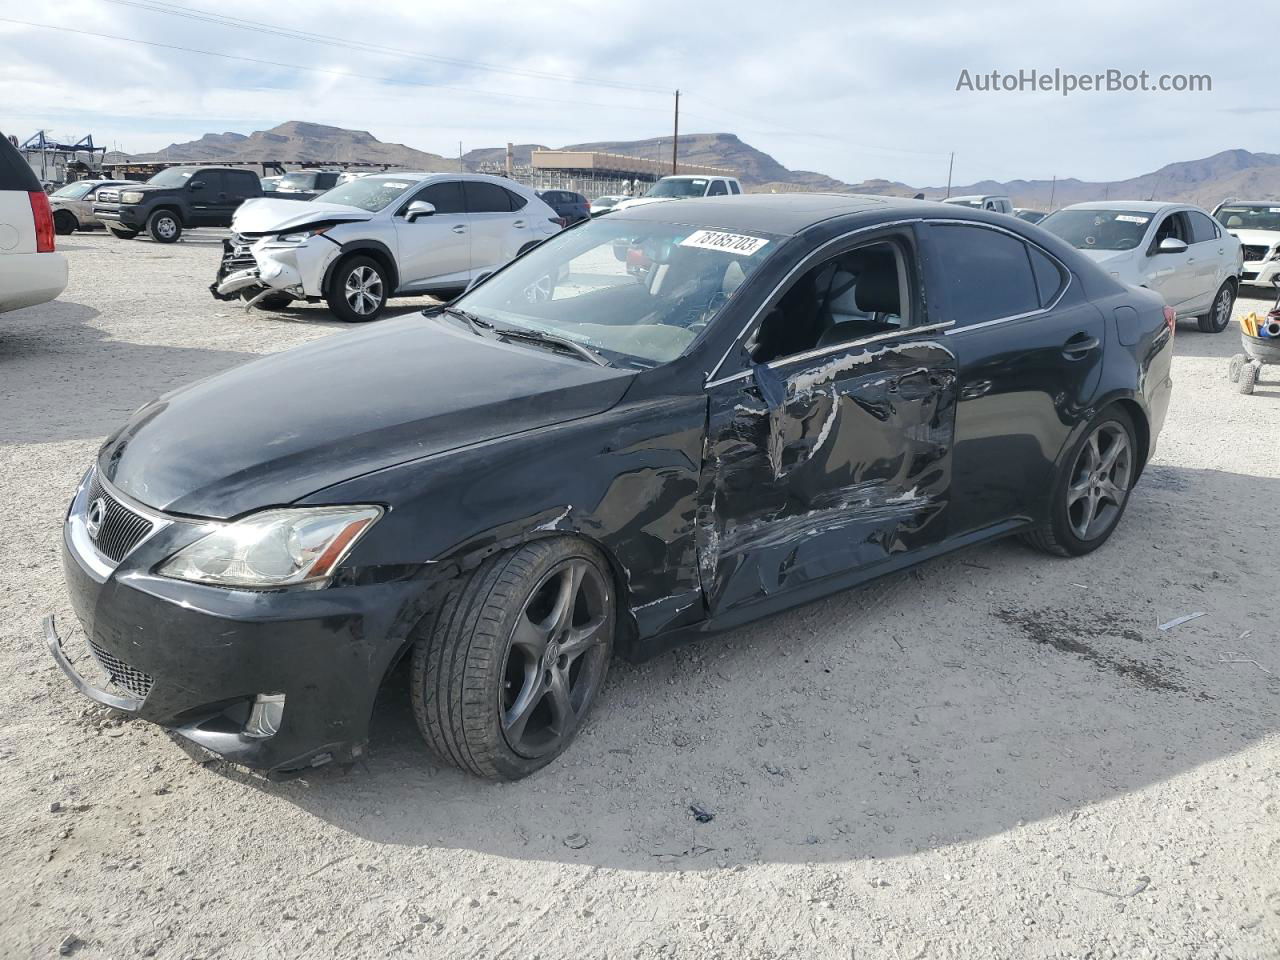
x,y
1029,349
434,251
1208,259
493,240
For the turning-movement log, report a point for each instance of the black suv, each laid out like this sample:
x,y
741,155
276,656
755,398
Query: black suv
x,y
174,199
570,207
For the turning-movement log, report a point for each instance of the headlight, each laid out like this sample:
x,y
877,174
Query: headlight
x,y
131,196
300,236
274,548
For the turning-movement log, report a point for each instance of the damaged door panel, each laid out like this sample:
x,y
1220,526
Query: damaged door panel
x,y
853,465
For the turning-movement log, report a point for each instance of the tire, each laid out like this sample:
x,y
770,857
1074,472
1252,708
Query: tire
x,y
1237,364
164,226
122,234
351,278
1248,377
65,223
1219,316
497,687
1073,530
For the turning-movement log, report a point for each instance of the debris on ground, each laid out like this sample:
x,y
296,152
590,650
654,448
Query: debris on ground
x,y
701,813
1178,621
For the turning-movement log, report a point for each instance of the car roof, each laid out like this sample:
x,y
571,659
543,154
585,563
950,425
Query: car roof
x,y
976,196
1250,203
1142,206
785,214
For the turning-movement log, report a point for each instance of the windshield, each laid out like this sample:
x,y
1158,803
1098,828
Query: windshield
x,y
1098,229
1248,218
73,191
296,181
367,193
637,292
173,177
695,187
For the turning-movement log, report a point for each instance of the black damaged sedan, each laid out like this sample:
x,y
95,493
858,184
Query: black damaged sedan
x,y
664,422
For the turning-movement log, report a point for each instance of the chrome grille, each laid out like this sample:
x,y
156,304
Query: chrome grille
x,y
122,674
237,253
121,529
108,196
1254,251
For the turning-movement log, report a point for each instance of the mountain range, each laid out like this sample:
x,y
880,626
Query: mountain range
x,y
1207,181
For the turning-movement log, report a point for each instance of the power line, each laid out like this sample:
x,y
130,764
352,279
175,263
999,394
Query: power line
x,y
473,91
258,26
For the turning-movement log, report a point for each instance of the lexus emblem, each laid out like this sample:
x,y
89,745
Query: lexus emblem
x,y
93,519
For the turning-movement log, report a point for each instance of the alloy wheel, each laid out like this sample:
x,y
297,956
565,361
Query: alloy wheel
x,y
363,290
1100,481
1222,309
556,658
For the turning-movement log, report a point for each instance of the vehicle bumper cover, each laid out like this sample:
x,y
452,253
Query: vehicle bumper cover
x,y
1261,271
295,269
125,216
208,652
30,278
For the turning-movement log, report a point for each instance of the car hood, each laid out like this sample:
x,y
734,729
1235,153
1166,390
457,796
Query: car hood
x,y
1260,238
277,429
267,215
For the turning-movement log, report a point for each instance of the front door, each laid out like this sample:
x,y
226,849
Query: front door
x,y
1172,275
435,251
830,452
207,193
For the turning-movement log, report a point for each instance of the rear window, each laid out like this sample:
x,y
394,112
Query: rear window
x,y
15,173
986,274
485,197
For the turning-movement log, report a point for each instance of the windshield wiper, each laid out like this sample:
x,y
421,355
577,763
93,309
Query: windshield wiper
x,y
474,322
538,336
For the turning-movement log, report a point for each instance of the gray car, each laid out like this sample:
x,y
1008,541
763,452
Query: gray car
x,y
73,205
1175,249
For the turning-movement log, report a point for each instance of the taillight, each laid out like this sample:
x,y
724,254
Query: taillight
x,y
43,217
1170,319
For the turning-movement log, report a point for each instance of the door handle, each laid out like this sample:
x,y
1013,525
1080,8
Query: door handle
x,y
519,224
1080,345
459,228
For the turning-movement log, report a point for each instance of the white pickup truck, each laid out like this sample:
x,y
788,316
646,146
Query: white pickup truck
x,y
684,186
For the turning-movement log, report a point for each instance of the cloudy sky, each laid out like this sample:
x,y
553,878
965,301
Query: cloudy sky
x,y
852,89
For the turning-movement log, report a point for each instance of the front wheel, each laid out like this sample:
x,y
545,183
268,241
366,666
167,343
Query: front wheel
x,y
64,223
506,673
1219,315
1092,488
357,290
164,226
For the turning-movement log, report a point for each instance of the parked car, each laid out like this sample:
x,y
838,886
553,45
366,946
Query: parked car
x,y
73,205
174,199
1256,224
682,188
31,269
1175,249
306,184
994,203
1031,216
569,206
570,462
604,204
380,236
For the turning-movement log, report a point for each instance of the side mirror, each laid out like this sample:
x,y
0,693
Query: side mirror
x,y
195,185
1171,245
419,208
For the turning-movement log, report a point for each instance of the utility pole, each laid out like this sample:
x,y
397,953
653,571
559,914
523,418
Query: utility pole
x,y
1053,188
950,165
675,138
460,170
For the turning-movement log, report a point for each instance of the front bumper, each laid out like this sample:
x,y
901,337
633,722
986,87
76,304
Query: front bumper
x,y
1260,271
126,215
193,658
262,264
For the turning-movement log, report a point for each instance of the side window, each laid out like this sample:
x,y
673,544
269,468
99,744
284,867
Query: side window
x,y
718,189
733,187
485,197
213,181
446,197
857,294
1049,276
1202,228
985,274
516,201
1174,225
240,183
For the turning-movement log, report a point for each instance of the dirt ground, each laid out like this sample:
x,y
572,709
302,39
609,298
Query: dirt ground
x,y
996,755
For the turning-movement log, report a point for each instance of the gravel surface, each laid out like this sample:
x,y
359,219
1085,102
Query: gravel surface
x,y
996,755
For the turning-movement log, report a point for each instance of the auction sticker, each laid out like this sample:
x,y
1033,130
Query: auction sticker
x,y
726,242
1129,218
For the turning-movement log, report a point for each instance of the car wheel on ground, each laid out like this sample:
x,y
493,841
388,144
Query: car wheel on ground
x,y
1219,315
504,675
164,226
357,289
65,222
122,234
1092,487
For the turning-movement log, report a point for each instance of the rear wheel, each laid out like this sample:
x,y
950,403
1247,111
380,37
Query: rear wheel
x,y
164,226
64,222
1219,315
357,290
504,677
1092,488
120,234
